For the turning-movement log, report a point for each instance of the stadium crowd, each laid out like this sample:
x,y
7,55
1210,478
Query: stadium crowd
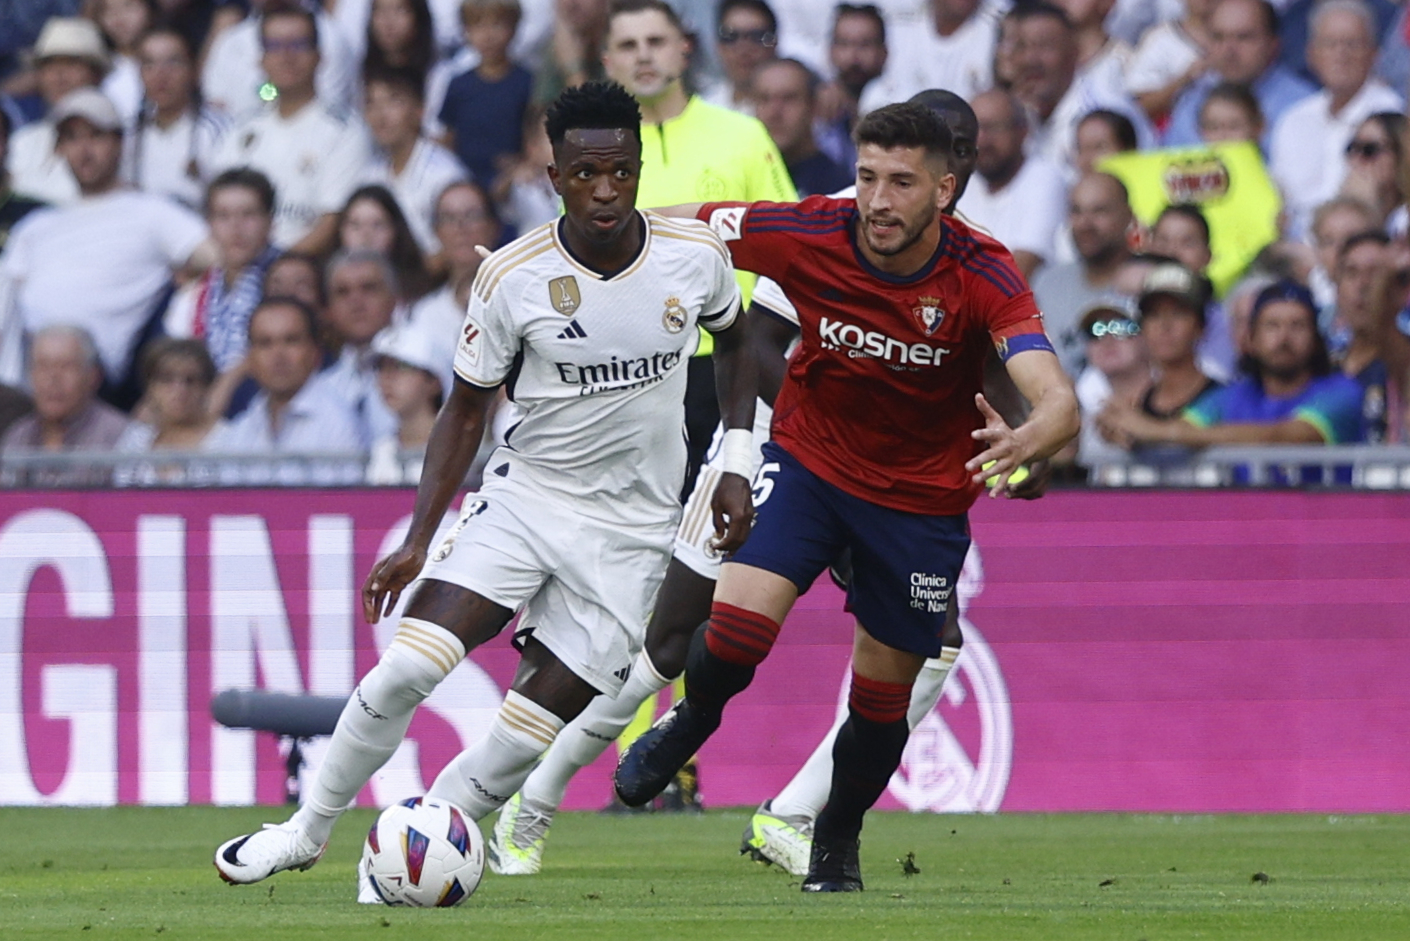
x,y
249,228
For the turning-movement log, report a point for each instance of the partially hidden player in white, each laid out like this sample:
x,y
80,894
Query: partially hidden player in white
x,y
781,830
588,322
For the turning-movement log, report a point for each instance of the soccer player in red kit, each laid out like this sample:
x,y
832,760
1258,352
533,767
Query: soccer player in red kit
x,y
880,437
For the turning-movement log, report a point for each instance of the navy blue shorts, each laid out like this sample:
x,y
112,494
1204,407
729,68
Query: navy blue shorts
x,y
904,565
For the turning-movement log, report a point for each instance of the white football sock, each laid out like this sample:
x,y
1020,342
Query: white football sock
x,y
480,779
590,734
375,720
805,795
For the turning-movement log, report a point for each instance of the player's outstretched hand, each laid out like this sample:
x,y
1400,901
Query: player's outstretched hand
x,y
733,506
1005,449
388,578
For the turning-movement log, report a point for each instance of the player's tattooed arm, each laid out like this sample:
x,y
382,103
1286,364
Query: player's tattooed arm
x,y
736,387
1052,422
455,439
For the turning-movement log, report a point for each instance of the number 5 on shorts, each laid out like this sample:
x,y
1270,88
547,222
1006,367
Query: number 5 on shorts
x,y
763,484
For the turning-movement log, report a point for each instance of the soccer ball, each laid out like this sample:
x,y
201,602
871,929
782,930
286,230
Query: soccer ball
x,y
424,853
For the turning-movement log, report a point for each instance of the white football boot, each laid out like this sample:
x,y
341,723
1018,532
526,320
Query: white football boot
x,y
515,846
257,856
784,840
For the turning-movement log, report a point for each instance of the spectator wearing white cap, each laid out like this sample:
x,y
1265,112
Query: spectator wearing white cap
x,y
1308,153
104,262
69,55
313,151
413,380
171,149
236,76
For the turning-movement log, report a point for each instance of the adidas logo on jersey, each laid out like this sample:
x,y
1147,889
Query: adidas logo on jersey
x,y
868,344
623,673
574,331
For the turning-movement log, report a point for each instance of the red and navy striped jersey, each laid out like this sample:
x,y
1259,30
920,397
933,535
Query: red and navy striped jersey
x,y
879,397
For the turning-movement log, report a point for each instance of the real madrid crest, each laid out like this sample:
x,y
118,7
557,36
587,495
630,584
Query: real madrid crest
x,y
563,295
676,316
929,313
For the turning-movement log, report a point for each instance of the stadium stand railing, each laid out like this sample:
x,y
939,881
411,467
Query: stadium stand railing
x,y
1362,467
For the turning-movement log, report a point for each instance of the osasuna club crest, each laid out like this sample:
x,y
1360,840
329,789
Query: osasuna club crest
x,y
928,313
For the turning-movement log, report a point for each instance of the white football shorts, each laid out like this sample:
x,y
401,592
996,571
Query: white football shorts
x,y
586,588
697,529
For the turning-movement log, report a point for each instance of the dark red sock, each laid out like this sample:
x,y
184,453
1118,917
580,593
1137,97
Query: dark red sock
x,y
739,636
877,701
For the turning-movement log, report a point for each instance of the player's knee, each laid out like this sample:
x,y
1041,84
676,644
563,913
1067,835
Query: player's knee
x,y
738,635
668,652
878,701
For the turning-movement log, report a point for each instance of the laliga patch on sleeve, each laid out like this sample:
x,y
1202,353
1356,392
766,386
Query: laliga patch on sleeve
x,y
470,341
728,222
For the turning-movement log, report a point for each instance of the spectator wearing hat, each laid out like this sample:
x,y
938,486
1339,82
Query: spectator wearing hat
x,y
1118,370
69,55
64,375
171,149
1172,310
413,381
1181,232
1291,393
312,151
292,414
104,262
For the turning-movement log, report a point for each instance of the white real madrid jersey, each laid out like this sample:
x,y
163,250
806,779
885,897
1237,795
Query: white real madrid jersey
x,y
597,365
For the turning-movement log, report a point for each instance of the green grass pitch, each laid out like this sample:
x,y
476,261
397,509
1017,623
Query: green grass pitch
x,y
146,873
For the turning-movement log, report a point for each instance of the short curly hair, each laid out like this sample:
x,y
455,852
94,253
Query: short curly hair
x,y
592,105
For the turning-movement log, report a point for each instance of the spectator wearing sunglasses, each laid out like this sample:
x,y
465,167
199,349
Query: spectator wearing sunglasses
x,y
1118,372
1375,162
1307,155
746,39
1291,393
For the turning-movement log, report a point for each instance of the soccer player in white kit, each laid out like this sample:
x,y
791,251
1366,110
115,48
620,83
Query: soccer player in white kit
x,y
589,322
